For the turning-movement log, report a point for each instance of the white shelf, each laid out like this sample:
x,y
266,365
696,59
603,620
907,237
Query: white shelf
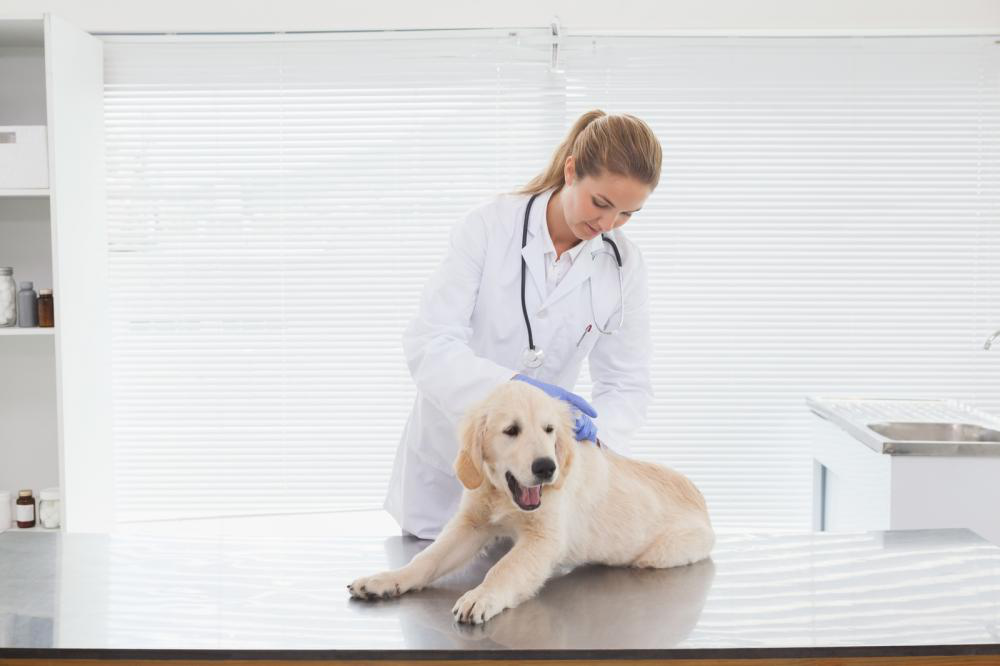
x,y
36,528
34,330
25,193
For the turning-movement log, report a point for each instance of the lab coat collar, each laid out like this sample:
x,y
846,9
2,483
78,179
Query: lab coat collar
x,y
534,254
550,248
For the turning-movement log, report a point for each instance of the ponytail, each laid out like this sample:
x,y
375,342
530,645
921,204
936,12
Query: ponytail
x,y
619,144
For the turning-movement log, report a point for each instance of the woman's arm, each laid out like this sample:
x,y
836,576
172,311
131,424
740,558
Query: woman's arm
x,y
436,342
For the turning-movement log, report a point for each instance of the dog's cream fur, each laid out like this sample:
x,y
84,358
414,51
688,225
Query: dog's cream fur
x,y
598,507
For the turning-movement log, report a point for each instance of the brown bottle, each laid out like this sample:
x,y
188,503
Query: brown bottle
x,y
46,311
25,509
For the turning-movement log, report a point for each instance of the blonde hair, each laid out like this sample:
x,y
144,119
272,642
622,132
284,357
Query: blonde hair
x,y
620,144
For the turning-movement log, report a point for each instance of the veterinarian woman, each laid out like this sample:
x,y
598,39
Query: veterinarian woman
x,y
474,328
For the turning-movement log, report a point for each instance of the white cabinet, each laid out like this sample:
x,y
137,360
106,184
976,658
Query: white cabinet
x,y
55,392
859,489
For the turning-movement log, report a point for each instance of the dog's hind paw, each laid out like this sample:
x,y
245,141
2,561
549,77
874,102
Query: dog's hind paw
x,y
380,586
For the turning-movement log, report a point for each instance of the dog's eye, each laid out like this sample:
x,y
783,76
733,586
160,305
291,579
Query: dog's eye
x,y
512,430
549,428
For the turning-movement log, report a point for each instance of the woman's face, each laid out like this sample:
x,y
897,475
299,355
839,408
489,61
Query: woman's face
x,y
595,205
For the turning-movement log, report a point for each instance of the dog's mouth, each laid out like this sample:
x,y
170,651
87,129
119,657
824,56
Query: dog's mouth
x,y
528,498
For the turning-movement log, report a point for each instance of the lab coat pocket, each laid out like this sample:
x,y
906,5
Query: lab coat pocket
x,y
606,304
584,340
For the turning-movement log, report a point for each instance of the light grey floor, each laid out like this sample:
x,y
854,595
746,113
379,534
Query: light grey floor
x,y
141,591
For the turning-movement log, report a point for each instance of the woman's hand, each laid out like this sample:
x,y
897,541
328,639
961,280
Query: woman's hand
x,y
583,427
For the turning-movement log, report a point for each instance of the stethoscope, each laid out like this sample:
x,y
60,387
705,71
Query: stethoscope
x,y
532,357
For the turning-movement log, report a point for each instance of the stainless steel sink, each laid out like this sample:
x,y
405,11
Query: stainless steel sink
x,y
935,432
913,426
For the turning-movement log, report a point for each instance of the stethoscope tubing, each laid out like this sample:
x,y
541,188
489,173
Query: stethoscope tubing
x,y
524,306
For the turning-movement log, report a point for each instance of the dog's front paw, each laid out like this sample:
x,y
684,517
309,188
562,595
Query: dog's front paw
x,y
380,586
477,606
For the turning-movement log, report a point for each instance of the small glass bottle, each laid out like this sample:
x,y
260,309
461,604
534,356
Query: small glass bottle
x,y
27,305
48,508
46,309
8,297
25,509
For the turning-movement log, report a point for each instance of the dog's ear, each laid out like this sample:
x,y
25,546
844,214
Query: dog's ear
x,y
565,442
469,463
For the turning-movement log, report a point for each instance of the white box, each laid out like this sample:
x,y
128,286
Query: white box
x,y
24,157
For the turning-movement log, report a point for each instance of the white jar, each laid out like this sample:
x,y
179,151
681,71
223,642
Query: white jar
x,y
48,508
6,514
8,297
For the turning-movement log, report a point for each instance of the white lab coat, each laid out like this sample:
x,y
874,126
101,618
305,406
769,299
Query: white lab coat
x,y
469,334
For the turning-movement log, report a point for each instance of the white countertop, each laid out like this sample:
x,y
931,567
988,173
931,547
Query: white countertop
x,y
855,414
806,594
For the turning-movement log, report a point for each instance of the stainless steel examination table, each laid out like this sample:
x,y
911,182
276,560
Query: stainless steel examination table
x,y
878,597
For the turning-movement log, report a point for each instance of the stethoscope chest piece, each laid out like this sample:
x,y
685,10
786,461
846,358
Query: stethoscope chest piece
x,y
532,358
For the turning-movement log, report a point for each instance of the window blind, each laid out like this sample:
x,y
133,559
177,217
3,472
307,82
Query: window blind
x,y
826,223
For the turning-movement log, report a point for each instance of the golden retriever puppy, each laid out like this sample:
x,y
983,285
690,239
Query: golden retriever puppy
x,y
564,502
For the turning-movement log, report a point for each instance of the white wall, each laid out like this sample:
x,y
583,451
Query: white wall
x,y
775,16
28,441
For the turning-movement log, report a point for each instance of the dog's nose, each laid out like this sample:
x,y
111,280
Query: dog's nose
x,y
543,468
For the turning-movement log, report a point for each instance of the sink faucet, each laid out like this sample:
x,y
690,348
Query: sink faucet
x,y
989,340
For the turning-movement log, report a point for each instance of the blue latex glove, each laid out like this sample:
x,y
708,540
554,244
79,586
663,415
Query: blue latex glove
x,y
583,427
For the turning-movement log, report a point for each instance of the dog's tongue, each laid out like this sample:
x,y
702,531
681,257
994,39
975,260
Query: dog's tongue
x,y
531,496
